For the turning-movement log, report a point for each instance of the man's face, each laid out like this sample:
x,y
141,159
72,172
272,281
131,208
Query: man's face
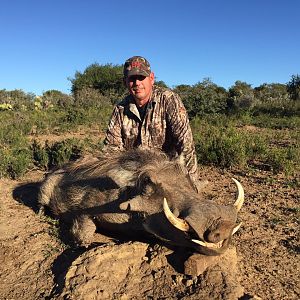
x,y
140,87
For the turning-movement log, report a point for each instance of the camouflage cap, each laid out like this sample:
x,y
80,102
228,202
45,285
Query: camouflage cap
x,y
137,65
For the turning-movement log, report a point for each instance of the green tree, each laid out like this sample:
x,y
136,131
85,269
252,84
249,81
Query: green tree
x,y
161,83
182,89
90,97
17,98
271,92
57,98
203,98
272,99
106,79
241,96
293,87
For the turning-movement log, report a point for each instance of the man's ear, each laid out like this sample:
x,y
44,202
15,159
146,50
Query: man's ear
x,y
125,81
152,77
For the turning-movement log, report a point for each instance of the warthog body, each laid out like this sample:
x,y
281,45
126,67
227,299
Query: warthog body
x,y
126,192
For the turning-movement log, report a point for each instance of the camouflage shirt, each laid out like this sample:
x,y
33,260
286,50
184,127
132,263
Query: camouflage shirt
x,y
165,127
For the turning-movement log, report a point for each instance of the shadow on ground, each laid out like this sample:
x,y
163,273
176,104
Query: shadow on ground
x,y
27,194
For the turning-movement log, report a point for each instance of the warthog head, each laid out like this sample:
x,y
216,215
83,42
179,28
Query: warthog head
x,y
141,190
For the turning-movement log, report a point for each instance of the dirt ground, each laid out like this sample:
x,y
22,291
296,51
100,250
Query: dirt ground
x,y
262,264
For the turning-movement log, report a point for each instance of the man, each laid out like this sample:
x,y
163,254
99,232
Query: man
x,y
151,118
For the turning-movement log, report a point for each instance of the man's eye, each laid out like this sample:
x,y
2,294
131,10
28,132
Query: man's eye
x,y
135,78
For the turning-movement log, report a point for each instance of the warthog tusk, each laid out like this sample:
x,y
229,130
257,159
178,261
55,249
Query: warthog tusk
x,y
177,222
240,199
236,228
209,245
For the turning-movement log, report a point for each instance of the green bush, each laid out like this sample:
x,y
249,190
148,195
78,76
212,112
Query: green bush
x,y
283,159
203,98
19,163
267,121
293,87
55,155
61,152
18,154
225,144
220,146
277,108
56,98
255,146
18,99
14,162
278,161
74,116
40,155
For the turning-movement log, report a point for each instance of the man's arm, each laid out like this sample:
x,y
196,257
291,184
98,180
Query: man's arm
x,y
178,121
113,139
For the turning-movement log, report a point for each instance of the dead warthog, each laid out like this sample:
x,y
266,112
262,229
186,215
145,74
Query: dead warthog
x,y
134,192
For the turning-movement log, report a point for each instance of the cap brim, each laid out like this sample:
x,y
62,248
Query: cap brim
x,y
134,72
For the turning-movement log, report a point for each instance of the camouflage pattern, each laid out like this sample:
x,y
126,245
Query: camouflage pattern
x,y
165,127
137,65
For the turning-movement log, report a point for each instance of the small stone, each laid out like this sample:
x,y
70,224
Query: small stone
x,y
189,282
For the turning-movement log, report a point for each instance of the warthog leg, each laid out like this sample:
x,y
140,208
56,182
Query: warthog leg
x,y
83,229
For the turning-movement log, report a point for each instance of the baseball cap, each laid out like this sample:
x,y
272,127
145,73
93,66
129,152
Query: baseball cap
x,y
136,65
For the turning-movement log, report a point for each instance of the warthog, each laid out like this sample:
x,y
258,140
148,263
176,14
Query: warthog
x,y
134,192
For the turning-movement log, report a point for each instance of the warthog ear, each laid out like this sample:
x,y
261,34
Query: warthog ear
x,y
121,177
136,204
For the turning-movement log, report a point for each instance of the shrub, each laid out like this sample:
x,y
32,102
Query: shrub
x,y
203,98
240,97
17,98
74,116
20,160
14,162
277,108
282,160
255,146
293,87
220,146
57,154
267,121
40,155
90,97
278,161
57,98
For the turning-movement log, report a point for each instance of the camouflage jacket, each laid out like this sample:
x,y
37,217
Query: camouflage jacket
x,y
165,127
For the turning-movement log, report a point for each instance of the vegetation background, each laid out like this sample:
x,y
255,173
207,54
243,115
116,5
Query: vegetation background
x,y
242,127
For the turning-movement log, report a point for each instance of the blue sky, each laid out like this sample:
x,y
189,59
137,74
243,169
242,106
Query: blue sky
x,y
43,43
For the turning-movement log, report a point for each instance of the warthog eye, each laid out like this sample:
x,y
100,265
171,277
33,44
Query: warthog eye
x,y
146,180
148,189
146,185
